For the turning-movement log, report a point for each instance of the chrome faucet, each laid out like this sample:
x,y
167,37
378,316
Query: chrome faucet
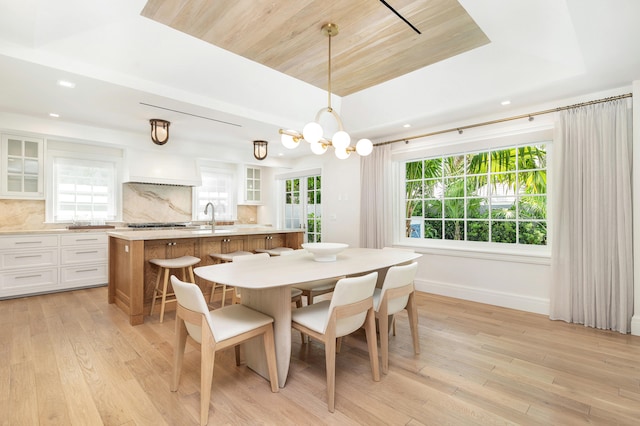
x,y
213,215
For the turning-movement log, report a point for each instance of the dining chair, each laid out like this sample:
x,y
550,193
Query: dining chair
x,y
311,289
397,294
296,295
350,308
213,331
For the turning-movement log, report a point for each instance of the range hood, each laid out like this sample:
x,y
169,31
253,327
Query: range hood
x,y
161,169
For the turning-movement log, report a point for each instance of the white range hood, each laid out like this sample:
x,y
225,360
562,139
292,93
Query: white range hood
x,y
161,169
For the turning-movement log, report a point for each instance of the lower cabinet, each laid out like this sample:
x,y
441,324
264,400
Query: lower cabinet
x,y
48,262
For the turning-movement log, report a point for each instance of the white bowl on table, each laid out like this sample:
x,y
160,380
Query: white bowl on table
x,y
324,252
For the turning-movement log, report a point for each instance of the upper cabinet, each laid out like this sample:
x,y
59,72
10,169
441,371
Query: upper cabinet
x,y
252,188
22,159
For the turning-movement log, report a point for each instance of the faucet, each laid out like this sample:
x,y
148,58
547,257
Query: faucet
x,y
213,215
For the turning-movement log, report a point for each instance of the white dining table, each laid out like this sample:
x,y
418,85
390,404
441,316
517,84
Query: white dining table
x,y
266,288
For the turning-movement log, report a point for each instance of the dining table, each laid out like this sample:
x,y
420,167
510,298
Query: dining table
x,y
266,287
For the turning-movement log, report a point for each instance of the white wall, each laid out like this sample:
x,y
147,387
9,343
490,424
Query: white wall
x,y
635,321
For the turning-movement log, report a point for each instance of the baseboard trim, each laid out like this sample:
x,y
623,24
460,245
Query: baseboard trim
x,y
491,297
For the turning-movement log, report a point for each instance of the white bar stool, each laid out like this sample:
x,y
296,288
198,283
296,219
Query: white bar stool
x,y
166,265
224,258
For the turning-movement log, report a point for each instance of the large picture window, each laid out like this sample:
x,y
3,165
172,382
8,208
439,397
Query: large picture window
x,y
497,196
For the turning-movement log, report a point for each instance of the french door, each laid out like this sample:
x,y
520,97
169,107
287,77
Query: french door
x,y
303,206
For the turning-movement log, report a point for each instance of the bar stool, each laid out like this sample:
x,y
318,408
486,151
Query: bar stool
x,y
224,258
276,251
166,265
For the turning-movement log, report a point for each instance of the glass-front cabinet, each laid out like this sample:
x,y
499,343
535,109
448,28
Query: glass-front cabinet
x,y
253,190
22,167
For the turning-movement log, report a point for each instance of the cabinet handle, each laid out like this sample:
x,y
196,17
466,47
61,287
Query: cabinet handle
x,y
28,242
87,252
27,256
87,270
87,239
29,276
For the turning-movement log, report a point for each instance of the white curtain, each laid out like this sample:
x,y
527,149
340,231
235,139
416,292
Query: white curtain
x,y
375,198
592,255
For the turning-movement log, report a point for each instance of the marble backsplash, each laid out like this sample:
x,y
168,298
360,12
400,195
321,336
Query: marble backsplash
x,y
142,203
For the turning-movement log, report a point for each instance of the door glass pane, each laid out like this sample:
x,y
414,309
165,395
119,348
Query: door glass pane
x,y
14,165
31,167
30,184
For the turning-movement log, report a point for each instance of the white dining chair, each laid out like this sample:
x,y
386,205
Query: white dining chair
x,y
296,295
350,308
213,331
397,294
311,289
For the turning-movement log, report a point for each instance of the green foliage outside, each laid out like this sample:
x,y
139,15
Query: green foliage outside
x,y
501,194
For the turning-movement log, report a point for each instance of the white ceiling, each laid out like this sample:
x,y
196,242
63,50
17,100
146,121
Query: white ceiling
x,y
540,50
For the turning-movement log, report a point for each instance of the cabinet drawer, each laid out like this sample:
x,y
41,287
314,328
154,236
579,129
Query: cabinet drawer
x,y
85,275
72,255
28,241
24,282
83,239
28,258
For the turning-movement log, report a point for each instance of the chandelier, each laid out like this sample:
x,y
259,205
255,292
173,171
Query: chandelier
x,y
313,132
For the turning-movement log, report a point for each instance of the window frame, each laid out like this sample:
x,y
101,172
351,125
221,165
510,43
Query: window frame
x,y
479,143
81,156
232,183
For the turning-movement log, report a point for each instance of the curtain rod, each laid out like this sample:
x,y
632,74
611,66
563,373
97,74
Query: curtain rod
x,y
502,120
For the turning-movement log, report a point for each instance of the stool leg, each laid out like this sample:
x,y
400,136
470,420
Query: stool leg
x,y
155,290
164,293
193,278
224,293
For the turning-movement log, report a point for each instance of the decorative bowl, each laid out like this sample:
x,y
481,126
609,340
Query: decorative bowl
x,y
324,252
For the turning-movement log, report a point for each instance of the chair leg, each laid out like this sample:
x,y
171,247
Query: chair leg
x,y
370,329
156,289
224,294
383,323
413,323
164,293
299,305
270,353
178,352
207,359
330,361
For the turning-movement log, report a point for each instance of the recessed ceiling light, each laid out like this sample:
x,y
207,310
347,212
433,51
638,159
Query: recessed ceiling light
x,y
65,83
54,115
505,103
407,125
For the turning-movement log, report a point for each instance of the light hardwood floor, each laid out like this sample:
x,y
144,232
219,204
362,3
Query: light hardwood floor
x,y
72,359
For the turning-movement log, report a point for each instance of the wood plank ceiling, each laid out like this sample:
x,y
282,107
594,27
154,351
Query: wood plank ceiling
x,y
373,45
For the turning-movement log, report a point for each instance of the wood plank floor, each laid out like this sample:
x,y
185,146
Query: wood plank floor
x,y
73,359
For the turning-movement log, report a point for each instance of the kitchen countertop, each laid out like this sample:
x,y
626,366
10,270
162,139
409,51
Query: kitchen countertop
x,y
162,234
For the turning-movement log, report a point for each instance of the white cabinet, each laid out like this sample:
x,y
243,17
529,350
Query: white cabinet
x,y
22,167
47,262
252,193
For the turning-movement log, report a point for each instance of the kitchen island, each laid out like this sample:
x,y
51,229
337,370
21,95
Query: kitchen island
x,y
132,278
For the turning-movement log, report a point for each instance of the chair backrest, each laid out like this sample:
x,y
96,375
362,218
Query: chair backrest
x,y
349,291
296,252
190,297
251,258
398,276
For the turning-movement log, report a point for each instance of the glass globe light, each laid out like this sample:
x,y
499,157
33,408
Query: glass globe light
x,y
318,148
342,153
364,147
312,132
341,139
288,141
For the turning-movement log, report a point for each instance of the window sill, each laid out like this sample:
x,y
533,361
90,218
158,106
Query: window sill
x,y
537,255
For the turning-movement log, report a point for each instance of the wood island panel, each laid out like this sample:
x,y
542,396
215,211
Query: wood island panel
x,y
132,278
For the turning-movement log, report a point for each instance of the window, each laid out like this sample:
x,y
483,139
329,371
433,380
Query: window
x,y
303,206
497,196
83,189
218,187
